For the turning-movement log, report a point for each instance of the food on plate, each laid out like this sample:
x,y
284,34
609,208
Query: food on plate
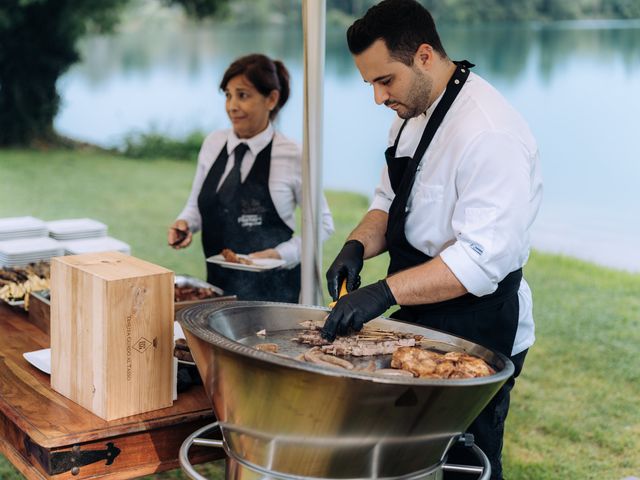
x,y
181,351
231,256
187,294
17,282
429,364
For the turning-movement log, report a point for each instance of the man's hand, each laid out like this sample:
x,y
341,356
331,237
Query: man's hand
x,y
347,265
352,311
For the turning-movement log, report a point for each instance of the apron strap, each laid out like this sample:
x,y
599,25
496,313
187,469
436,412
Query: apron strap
x,y
455,84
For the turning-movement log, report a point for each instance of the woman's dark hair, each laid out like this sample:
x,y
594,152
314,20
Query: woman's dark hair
x,y
265,74
404,25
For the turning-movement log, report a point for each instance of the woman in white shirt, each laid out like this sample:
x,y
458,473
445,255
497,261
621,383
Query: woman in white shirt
x,y
247,186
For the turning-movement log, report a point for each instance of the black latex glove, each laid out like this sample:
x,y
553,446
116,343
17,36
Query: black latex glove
x,y
355,309
347,265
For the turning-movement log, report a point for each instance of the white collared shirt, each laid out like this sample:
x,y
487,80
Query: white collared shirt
x,y
476,193
285,181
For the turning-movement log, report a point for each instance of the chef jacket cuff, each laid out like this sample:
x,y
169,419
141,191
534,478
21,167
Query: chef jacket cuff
x,y
468,272
380,203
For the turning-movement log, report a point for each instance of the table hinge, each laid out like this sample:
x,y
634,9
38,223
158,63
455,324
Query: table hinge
x,y
71,460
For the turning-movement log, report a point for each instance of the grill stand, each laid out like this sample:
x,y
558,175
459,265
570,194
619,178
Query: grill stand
x,y
237,469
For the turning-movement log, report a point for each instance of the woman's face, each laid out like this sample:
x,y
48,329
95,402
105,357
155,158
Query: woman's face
x,y
247,108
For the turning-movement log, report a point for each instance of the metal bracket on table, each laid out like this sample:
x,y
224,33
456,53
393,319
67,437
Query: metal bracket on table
x,y
71,460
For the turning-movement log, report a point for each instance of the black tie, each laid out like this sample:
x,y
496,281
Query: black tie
x,y
229,187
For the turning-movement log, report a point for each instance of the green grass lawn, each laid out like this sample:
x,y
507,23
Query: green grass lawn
x,y
576,407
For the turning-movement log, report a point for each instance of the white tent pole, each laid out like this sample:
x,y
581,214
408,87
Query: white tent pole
x,y
313,28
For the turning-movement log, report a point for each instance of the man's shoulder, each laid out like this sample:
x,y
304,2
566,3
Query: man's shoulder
x,y
484,110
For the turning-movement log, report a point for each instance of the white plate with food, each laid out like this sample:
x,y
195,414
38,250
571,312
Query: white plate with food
x,y
249,265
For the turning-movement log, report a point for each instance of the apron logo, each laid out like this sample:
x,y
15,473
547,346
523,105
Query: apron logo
x,y
250,220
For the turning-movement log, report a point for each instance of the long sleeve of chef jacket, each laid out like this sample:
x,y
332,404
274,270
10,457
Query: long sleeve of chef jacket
x,y
478,188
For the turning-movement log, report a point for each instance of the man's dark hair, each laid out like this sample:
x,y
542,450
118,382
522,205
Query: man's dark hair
x,y
404,25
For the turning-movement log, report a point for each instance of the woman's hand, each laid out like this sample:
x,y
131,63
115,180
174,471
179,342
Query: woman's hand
x,y
179,235
268,253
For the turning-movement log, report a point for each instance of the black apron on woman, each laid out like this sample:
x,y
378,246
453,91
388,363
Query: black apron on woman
x,y
248,224
490,320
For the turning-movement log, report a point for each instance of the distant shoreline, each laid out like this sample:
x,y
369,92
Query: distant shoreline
x,y
617,250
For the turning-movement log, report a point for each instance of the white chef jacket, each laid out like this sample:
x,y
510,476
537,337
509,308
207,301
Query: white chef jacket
x,y
476,194
285,181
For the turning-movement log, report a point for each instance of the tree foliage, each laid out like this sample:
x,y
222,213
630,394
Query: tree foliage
x,y
38,41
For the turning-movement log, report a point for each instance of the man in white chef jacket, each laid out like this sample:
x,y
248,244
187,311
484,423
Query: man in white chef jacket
x,y
459,193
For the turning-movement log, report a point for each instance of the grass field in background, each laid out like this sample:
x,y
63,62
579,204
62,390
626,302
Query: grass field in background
x,y
576,407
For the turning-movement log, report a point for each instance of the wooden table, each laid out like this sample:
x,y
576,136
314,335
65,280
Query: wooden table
x,y
45,435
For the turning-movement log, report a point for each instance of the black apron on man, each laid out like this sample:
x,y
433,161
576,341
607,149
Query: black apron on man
x,y
248,223
490,320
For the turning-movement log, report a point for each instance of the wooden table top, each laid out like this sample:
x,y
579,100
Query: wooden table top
x,y
52,420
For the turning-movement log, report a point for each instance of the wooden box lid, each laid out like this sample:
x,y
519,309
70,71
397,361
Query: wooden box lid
x,y
111,266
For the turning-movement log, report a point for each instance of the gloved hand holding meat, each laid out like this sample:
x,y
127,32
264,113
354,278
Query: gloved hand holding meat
x,y
352,311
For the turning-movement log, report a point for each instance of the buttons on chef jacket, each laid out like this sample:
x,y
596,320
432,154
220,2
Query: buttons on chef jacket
x,y
456,81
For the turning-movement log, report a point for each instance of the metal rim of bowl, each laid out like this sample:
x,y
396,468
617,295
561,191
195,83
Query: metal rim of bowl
x,y
190,316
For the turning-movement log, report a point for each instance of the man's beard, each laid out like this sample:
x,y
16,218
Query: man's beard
x,y
417,99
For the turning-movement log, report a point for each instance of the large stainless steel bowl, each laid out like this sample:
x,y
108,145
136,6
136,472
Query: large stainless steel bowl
x,y
306,420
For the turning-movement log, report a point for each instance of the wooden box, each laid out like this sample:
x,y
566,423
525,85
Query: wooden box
x,y
112,333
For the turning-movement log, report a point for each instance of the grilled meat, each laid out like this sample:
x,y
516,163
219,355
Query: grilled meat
x,y
368,342
267,347
428,364
187,294
16,283
181,350
231,256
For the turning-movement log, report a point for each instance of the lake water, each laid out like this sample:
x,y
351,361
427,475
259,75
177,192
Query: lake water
x,y
578,85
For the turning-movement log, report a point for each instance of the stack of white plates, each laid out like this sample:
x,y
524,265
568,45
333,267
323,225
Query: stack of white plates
x,y
22,227
92,245
15,253
75,228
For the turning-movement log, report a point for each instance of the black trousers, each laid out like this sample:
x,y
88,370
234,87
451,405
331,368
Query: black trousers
x,y
488,430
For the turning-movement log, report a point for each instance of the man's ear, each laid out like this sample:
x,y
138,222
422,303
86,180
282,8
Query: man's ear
x,y
424,56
